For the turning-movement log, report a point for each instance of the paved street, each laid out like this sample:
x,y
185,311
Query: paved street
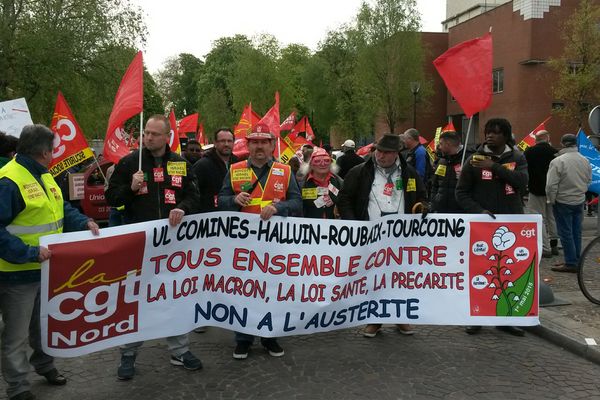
x,y
437,362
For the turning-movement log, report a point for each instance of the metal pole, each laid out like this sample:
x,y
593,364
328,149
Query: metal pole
x,y
415,110
466,142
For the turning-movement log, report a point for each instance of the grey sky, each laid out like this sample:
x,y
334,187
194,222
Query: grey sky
x,y
177,26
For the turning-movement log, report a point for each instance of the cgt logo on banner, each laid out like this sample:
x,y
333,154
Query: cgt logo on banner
x,y
94,297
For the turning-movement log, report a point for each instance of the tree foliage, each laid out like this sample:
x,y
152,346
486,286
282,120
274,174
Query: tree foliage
x,y
578,68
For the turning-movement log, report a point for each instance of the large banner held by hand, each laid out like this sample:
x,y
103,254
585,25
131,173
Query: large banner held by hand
x,y
467,71
286,276
70,146
587,149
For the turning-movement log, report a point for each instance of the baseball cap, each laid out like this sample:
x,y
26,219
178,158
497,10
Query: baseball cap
x,y
260,131
349,143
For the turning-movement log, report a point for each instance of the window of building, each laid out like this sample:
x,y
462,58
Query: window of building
x,y
498,80
558,105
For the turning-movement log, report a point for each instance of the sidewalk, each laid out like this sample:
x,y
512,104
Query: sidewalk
x,y
570,325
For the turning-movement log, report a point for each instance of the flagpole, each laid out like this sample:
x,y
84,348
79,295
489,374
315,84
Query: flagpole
x,y
100,169
141,140
466,142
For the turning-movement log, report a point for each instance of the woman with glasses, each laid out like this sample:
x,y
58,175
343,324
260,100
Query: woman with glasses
x,y
321,186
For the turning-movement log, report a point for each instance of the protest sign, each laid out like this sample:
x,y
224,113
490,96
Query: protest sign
x,y
286,276
14,115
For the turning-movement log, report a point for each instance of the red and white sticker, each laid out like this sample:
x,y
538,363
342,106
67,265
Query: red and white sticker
x,y
176,180
486,174
170,196
388,189
457,169
159,174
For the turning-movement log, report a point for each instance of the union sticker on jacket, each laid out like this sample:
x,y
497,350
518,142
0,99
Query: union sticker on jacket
x,y
278,171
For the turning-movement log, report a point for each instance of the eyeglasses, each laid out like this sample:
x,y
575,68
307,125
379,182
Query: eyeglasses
x,y
321,162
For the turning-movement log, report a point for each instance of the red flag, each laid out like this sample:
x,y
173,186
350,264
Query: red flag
x,y
529,140
70,146
467,71
248,119
188,124
200,138
271,118
129,101
449,128
289,122
240,148
302,126
363,151
174,142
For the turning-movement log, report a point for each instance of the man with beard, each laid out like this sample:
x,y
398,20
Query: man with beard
x,y
212,168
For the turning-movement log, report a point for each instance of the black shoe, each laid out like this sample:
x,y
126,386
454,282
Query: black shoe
x,y
23,396
55,378
126,369
565,268
187,360
471,330
272,347
241,350
513,330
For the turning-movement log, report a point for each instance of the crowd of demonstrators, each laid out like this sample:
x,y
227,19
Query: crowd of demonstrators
x,y
383,185
8,148
211,169
493,181
163,188
32,206
349,158
569,177
538,158
262,186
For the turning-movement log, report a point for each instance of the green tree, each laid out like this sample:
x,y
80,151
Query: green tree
x,y
178,82
390,56
74,46
578,68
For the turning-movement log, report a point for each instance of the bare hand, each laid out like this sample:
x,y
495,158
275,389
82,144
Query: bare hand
x,y
93,226
242,199
175,216
485,164
44,254
137,180
267,212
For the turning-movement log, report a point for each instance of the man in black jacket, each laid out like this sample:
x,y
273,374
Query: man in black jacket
x,y
538,162
212,168
164,187
384,184
349,159
492,181
447,170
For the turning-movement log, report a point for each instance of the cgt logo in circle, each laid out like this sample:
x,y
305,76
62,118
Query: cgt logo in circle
x,y
528,233
479,282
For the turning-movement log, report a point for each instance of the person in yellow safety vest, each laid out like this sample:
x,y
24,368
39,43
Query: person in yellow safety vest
x,y
32,206
262,186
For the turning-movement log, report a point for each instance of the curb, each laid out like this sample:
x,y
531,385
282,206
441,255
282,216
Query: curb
x,y
575,346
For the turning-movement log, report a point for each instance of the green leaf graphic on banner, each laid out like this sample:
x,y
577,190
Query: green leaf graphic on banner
x,y
516,301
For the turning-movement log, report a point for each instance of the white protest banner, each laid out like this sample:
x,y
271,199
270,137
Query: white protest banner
x,y
14,115
286,276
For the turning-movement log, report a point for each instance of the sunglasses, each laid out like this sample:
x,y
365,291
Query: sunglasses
x,y
321,162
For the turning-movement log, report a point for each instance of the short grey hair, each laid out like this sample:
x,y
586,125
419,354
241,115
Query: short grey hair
x,y
35,140
412,133
542,136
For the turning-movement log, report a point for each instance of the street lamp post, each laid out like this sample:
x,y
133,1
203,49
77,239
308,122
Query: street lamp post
x,y
414,88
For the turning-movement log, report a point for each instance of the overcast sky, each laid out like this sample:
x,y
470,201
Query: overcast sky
x,y
177,26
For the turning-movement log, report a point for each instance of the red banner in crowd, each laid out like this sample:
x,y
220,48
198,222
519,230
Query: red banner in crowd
x,y
248,119
129,101
289,122
529,140
174,141
70,146
271,118
200,136
188,124
302,126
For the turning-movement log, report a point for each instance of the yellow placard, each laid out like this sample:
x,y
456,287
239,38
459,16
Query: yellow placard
x,y
441,170
241,175
411,185
177,168
309,193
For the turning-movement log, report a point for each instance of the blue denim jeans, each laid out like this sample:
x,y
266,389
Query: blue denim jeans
x,y
568,224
